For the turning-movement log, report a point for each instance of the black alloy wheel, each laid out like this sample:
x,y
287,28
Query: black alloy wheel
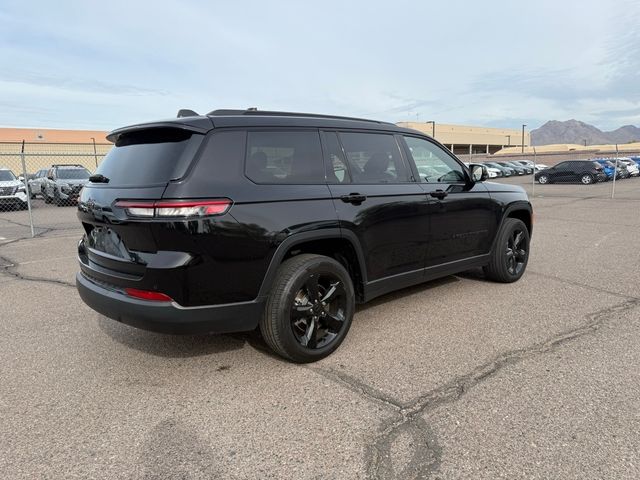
x,y
516,252
510,254
310,308
318,310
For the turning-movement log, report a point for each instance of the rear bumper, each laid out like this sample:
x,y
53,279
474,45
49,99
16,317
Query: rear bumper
x,y
168,317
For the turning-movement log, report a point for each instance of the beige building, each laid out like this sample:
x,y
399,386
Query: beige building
x,y
464,139
45,147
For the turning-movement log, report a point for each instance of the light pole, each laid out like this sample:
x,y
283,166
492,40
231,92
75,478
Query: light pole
x,y
523,125
433,128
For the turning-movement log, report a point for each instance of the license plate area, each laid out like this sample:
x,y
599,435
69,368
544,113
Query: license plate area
x,y
106,240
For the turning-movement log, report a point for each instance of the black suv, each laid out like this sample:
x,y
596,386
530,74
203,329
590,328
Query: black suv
x,y
239,219
583,171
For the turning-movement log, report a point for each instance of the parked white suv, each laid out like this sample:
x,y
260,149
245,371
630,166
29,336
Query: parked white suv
x,y
13,192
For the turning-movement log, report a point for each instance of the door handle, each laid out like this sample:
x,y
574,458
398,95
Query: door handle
x,y
354,198
439,194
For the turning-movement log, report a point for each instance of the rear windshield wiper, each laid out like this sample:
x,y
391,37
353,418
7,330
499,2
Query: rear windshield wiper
x,y
98,178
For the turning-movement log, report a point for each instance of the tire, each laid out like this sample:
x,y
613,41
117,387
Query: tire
x,y
45,196
544,179
56,198
586,179
505,267
286,326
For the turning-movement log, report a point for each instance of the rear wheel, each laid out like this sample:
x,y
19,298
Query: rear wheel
x,y
310,308
586,179
511,252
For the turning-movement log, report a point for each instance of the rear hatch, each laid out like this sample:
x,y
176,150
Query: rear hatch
x,y
116,248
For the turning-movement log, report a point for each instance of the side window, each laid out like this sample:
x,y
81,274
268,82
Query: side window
x,y
374,158
284,157
434,165
336,166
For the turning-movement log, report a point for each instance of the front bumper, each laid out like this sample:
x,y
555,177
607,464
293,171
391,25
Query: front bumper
x,y
16,198
169,317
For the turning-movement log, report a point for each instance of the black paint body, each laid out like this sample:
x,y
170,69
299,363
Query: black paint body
x,y
218,270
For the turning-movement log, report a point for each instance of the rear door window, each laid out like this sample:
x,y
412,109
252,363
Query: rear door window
x,y
374,158
150,157
284,156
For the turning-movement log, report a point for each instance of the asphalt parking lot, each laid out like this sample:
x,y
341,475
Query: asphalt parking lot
x,y
457,378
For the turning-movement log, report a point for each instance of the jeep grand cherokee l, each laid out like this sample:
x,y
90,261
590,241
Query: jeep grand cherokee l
x,y
242,219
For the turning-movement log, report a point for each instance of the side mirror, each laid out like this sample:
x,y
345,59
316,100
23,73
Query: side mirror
x,y
478,173
50,177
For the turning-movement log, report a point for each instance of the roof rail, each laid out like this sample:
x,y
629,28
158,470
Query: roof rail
x,y
256,112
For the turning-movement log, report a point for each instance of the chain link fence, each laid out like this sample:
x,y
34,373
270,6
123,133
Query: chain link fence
x,y
36,195
39,183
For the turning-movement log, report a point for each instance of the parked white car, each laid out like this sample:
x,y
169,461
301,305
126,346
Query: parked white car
x,y
491,172
13,193
632,167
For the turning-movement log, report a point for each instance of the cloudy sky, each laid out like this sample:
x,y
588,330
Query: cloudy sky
x,y
101,65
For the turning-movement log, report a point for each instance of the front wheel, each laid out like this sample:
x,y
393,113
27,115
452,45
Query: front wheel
x,y
310,308
510,254
543,179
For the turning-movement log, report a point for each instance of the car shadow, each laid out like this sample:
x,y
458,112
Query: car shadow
x,y
185,346
406,292
171,346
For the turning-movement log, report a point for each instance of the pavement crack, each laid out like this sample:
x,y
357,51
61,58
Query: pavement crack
x,y
581,285
8,266
411,427
359,387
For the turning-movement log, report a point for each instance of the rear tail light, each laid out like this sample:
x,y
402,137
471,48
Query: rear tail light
x,y
174,208
148,295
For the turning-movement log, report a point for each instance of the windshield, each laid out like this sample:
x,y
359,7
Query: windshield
x,y
73,173
6,176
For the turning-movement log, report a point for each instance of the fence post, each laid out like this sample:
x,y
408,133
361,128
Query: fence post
x,y
533,177
95,153
615,174
26,189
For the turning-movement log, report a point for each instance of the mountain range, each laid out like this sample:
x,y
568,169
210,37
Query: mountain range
x,y
575,131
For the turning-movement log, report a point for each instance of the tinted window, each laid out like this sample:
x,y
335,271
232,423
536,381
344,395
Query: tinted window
x,y
337,171
73,173
374,158
284,157
562,166
150,157
433,163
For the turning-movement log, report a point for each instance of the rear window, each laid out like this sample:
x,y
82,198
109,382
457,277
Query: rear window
x,y
293,157
150,157
73,173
